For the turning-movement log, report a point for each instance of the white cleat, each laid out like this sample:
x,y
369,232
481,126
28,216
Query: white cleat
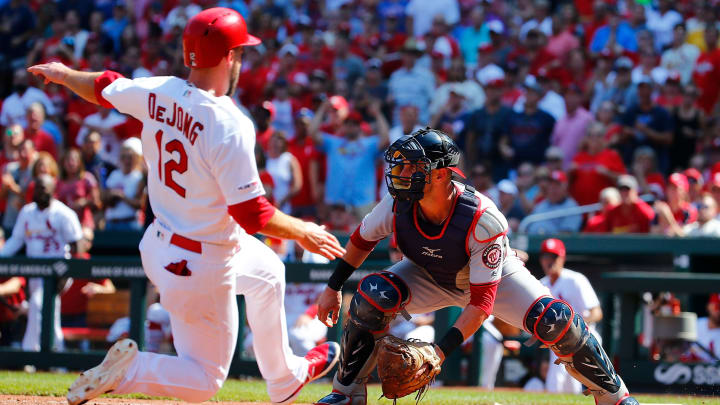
x,y
105,377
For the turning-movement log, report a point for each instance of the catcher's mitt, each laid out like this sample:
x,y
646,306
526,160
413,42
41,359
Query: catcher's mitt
x,y
406,366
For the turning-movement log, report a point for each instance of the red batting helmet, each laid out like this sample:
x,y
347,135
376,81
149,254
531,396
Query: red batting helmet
x,y
211,33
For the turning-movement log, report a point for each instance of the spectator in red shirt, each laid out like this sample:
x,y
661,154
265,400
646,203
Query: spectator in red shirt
x,y
707,71
595,167
42,140
695,180
632,215
677,211
264,115
78,189
12,294
310,159
609,198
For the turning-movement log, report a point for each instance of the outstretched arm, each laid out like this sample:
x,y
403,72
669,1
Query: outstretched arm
x,y
81,83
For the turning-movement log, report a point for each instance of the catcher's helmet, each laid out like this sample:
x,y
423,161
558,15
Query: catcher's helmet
x,y
211,33
411,158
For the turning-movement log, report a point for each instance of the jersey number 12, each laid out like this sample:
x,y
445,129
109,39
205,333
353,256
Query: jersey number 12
x,y
171,165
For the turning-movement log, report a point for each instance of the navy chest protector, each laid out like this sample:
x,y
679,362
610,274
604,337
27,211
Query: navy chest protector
x,y
443,255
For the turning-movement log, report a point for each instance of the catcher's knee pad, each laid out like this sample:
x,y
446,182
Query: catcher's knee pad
x,y
554,323
378,298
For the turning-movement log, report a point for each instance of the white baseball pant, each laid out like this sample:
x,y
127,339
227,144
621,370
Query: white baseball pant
x,y
31,339
204,319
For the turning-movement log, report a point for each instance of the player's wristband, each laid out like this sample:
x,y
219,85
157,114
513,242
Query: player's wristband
x,y
342,272
451,341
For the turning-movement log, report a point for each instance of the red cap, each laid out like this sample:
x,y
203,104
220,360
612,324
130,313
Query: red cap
x,y
680,181
714,180
270,107
339,102
553,245
694,174
558,175
714,299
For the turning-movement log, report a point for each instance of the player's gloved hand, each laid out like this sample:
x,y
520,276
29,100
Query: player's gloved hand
x,y
329,301
317,240
54,72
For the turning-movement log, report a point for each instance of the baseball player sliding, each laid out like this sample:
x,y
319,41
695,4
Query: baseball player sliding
x,y
456,253
206,194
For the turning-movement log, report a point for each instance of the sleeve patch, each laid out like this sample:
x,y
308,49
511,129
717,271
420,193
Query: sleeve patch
x,y
492,256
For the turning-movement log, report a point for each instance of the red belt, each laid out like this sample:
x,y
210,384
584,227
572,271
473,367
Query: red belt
x,y
185,243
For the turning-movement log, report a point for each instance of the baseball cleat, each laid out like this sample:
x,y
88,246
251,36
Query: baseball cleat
x,y
334,398
322,359
105,377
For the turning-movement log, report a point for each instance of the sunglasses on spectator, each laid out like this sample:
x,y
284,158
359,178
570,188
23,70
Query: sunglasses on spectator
x,y
624,188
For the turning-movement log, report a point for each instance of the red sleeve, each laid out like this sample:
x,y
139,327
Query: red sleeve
x,y
483,296
253,214
360,242
615,163
103,81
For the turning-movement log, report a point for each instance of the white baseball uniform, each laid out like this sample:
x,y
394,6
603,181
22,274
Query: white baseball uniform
x,y
46,234
574,288
199,150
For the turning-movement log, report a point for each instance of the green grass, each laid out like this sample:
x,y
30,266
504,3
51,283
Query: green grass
x,y
50,384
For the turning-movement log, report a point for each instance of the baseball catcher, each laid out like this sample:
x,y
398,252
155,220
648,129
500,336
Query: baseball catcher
x,y
456,253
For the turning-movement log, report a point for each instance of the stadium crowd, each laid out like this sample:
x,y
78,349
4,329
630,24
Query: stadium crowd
x,y
555,104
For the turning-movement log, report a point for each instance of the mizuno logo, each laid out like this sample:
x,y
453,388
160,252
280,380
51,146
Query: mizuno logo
x,y
431,252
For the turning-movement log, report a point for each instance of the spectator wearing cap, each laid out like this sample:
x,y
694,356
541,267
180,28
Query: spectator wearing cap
x,y
420,14
570,129
713,187
509,204
473,35
619,87
708,328
595,167
671,92
616,36
485,126
680,56
346,66
648,67
350,157
661,22
550,101
609,198
254,76
556,200
706,73
14,107
310,160
647,124
528,132
676,211
690,121
123,195
707,223
412,84
180,14
264,115
696,182
645,170
632,215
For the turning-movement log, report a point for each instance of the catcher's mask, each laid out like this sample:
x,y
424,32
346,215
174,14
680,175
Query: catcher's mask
x,y
411,158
